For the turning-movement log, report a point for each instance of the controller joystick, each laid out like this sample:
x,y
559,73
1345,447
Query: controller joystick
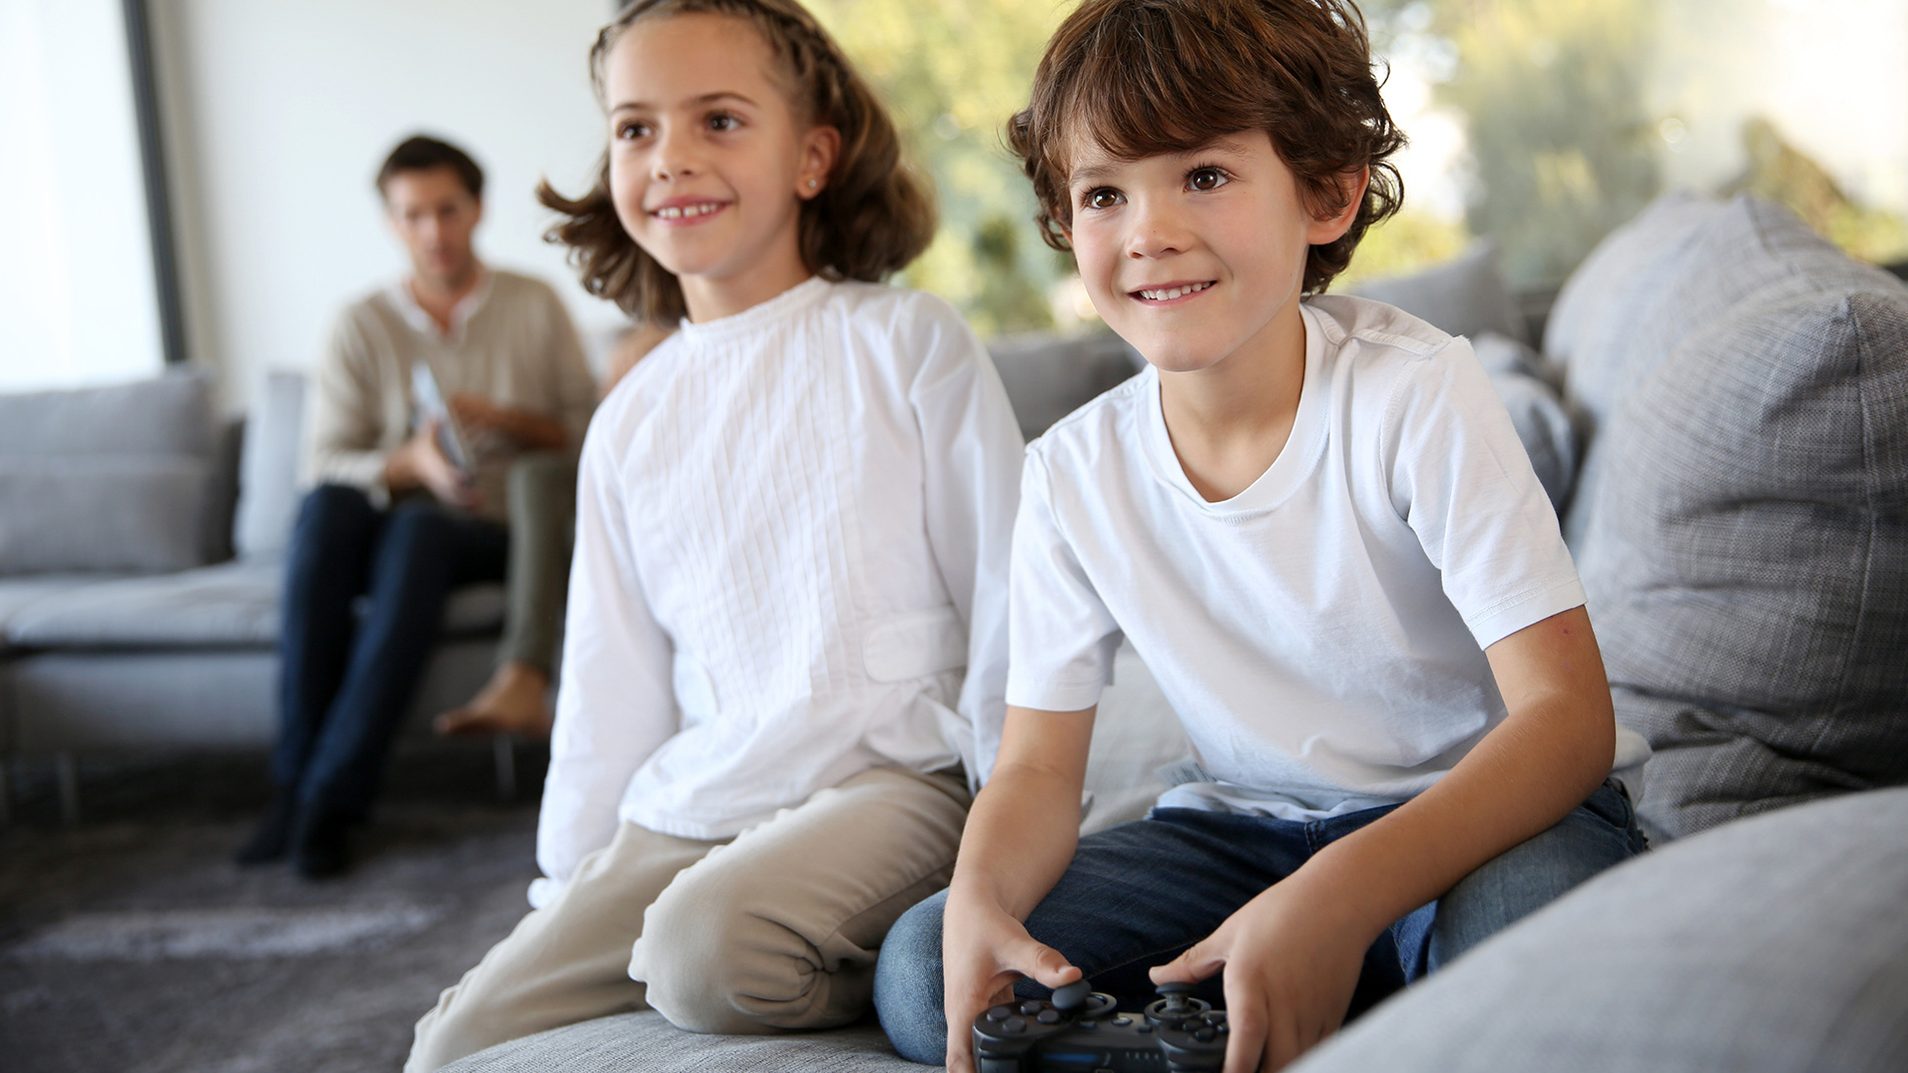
x,y
1071,997
1082,1029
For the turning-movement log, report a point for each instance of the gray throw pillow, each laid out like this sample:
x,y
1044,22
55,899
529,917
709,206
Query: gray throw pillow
x,y
1747,553
1536,412
268,470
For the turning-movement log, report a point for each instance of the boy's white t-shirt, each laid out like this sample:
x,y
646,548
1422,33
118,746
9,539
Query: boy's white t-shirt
x,y
1321,634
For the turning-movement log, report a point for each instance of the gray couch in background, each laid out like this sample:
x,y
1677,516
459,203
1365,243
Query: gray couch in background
x,y
141,546
1737,394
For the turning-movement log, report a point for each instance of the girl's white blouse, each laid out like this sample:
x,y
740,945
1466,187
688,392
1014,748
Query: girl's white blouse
x,y
791,566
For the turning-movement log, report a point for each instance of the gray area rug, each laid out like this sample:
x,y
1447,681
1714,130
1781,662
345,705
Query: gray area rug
x,y
130,942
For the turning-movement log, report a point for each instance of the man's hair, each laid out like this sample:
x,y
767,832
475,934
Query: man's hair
x,y
872,218
421,152
1146,77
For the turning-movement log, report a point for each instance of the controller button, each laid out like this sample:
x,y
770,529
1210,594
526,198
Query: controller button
x,y
1144,1029
1122,1020
1070,996
1030,1007
1000,1013
1204,1035
1014,1025
1223,1029
1089,1025
1049,1017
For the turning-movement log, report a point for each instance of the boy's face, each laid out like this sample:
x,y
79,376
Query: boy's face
x,y
1193,257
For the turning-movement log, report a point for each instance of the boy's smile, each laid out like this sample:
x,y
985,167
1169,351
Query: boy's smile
x,y
1195,256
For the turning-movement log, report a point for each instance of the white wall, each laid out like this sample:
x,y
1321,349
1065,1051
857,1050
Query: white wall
x,y
277,114
77,302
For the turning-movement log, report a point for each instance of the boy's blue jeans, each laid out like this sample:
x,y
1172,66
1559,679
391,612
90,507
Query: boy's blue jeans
x,y
1139,894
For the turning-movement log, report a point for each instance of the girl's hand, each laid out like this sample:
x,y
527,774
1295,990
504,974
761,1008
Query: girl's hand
x,y
1291,963
983,951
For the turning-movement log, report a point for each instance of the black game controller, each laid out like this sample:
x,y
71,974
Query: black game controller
x,y
1080,1030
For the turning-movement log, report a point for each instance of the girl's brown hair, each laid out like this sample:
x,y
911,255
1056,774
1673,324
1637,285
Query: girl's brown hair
x,y
872,217
1145,77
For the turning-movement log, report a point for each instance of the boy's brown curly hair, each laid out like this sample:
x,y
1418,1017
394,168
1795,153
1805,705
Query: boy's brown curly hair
x,y
1145,77
872,218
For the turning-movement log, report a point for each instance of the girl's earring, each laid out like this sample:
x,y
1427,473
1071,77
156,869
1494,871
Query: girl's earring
x,y
812,184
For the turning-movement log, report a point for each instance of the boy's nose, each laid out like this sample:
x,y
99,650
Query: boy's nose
x,y
1156,232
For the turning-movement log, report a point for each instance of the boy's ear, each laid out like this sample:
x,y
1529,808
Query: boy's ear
x,y
820,147
1329,229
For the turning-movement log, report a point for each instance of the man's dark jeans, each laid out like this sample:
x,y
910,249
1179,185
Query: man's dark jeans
x,y
345,679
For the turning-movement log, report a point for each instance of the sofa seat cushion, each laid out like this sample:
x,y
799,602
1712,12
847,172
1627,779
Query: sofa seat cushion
x,y
645,1043
1742,521
18,594
231,605
1772,945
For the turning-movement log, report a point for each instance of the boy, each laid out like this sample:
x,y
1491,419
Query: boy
x,y
1314,522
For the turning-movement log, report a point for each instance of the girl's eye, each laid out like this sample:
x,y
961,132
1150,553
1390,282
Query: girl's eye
x,y
1102,198
1204,179
723,121
627,131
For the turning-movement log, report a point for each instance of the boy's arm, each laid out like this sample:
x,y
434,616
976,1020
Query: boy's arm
x,y
616,704
1020,837
1292,954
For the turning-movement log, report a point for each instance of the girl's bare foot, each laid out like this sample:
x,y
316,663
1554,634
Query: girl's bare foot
x,y
514,701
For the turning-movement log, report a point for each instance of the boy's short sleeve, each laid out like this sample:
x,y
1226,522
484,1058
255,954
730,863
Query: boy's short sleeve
x,y
1461,480
1061,638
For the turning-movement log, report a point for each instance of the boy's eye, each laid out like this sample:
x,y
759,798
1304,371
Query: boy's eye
x,y
1207,179
1102,198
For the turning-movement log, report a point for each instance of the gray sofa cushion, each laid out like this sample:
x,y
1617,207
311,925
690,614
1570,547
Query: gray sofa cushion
x,y
1744,542
164,415
1536,412
1774,945
231,605
645,1043
1464,296
122,477
111,512
1049,377
268,470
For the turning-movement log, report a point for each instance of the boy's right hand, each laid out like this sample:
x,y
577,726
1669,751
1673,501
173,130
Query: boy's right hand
x,y
984,949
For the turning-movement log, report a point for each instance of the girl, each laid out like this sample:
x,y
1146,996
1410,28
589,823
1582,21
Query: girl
x,y
792,527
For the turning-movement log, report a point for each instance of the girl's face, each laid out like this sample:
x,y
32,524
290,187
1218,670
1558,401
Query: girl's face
x,y
709,162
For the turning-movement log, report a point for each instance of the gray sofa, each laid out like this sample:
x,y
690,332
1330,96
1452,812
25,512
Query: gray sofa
x,y
1737,394
141,540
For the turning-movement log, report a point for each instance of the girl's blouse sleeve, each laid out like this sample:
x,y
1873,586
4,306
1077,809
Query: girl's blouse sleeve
x,y
616,705
972,452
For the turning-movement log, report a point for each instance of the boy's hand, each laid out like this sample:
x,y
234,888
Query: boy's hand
x,y
983,951
1291,963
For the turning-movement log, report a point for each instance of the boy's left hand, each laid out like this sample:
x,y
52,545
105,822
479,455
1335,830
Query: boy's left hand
x,y
1291,963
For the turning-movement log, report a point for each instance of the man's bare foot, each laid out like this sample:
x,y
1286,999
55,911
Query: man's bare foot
x,y
514,701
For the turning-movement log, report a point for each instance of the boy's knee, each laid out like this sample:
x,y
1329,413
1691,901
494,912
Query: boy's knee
x,y
908,984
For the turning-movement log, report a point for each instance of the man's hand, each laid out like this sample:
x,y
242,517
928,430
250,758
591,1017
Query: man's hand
x,y
983,951
1291,964
420,462
477,416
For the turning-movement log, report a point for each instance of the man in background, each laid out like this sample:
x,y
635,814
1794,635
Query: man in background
x,y
411,495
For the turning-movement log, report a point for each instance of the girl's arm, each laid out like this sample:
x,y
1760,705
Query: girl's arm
x,y
1020,837
615,705
972,453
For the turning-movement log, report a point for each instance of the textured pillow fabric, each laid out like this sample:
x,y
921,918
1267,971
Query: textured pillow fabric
x,y
1741,523
1776,945
1464,296
108,513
